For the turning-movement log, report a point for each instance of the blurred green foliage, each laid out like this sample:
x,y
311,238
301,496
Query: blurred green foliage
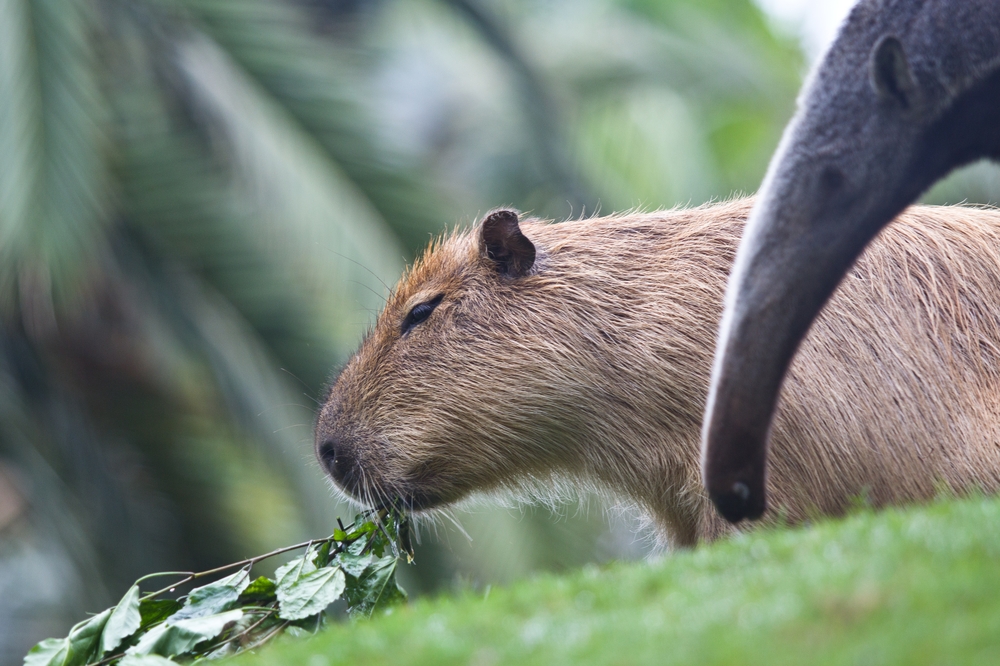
x,y
203,204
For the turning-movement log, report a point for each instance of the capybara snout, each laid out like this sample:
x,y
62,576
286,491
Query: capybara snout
x,y
336,453
521,354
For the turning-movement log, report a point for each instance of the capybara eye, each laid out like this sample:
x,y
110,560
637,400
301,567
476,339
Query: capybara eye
x,y
420,312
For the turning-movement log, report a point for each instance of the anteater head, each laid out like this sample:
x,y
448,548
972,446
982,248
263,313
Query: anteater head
x,y
908,91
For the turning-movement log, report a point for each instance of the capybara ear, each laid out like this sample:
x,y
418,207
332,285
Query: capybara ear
x,y
890,73
503,243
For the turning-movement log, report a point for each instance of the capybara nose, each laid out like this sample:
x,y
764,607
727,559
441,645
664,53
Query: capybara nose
x,y
337,459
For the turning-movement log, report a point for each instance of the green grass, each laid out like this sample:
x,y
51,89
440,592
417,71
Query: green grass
x,y
918,586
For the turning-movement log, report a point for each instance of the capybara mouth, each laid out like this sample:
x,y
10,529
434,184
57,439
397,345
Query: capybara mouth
x,y
408,501
420,501
350,474
380,498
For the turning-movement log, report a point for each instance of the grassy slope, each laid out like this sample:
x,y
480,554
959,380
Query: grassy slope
x,y
899,587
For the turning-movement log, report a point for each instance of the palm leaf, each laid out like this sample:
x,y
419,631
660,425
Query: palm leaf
x,y
268,40
52,145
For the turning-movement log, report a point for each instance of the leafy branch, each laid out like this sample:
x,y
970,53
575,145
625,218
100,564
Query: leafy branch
x,y
357,563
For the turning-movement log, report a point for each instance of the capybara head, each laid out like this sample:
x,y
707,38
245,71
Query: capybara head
x,y
441,398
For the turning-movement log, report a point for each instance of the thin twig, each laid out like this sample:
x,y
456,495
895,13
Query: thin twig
x,y
160,574
235,565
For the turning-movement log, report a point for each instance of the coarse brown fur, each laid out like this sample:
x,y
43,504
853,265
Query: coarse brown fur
x,y
594,366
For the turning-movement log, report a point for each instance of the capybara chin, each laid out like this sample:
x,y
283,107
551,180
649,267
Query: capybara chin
x,y
581,350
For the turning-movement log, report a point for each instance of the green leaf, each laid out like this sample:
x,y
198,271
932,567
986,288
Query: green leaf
x,y
297,632
146,660
287,574
310,594
378,544
363,526
174,638
85,639
50,652
404,534
358,546
353,565
376,589
323,555
74,650
215,597
154,611
124,621
261,590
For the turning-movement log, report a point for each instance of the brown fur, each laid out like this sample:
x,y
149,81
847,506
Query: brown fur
x,y
595,367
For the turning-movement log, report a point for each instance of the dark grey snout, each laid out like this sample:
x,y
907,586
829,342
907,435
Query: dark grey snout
x,y
737,501
338,460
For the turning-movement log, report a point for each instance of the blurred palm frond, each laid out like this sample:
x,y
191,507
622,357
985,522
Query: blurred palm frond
x,y
185,234
53,145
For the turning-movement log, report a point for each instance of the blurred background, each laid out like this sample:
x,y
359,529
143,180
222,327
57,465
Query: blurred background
x,y
201,205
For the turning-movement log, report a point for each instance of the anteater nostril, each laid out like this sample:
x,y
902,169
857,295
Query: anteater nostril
x,y
336,459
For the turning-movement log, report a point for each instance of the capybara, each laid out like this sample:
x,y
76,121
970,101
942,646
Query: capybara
x,y
524,352
909,90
